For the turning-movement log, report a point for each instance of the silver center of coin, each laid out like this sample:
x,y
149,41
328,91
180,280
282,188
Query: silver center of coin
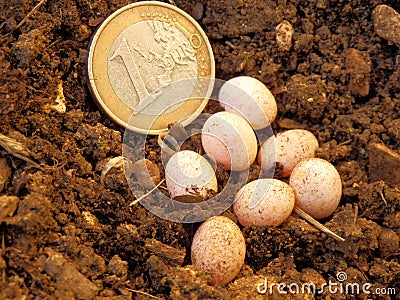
x,y
144,59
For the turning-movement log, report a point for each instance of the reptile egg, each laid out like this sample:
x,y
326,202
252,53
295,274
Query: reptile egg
x,y
264,202
188,173
290,147
249,98
218,249
230,140
317,187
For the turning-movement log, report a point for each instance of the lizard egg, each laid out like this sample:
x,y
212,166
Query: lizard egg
x,y
230,140
250,98
218,249
188,173
264,202
290,147
317,187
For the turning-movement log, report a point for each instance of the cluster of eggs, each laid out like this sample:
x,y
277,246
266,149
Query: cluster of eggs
x,y
229,137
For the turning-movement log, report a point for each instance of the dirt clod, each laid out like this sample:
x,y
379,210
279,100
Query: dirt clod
x,y
384,164
388,242
387,23
168,254
8,204
69,281
359,69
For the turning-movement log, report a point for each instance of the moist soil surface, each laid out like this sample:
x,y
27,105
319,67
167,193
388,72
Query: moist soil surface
x,y
66,232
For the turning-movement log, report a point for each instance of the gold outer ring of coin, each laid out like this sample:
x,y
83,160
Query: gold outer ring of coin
x,y
187,46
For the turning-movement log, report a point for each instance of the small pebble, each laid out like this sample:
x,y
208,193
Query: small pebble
x,y
317,187
188,173
230,140
250,98
274,201
290,147
387,23
284,35
197,11
218,249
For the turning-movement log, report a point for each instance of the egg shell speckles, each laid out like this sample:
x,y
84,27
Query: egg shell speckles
x,y
317,187
230,140
188,173
250,98
218,249
275,201
290,147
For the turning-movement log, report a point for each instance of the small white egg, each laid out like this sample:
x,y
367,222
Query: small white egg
x,y
230,140
218,249
287,148
317,187
264,202
250,98
188,173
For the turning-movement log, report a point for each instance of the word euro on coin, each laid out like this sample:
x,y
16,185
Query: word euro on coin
x,y
150,65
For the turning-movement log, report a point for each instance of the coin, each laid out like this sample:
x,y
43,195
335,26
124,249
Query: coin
x,y
150,65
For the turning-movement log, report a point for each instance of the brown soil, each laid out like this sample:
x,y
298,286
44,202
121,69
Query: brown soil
x,y
65,235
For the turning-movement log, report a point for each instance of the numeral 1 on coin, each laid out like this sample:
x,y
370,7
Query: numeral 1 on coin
x,y
125,53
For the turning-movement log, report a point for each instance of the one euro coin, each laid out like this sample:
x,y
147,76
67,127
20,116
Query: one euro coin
x,y
150,65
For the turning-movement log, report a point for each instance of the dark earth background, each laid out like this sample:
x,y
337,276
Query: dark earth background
x,y
65,235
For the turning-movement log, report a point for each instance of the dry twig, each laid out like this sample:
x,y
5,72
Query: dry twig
x,y
142,293
17,149
37,6
3,250
172,2
317,224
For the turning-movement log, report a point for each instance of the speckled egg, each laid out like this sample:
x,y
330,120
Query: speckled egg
x,y
287,149
317,187
264,202
250,98
188,173
218,249
230,140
